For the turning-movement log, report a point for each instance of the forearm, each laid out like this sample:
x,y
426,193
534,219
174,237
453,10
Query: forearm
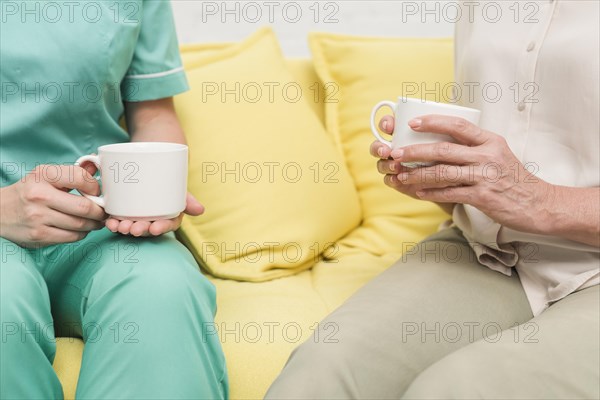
x,y
573,213
154,121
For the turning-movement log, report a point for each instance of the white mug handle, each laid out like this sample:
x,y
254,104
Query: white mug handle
x,y
374,129
96,160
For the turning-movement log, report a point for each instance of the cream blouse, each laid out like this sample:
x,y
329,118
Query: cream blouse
x,y
532,68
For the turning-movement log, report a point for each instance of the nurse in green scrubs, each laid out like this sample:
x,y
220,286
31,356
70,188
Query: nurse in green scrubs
x,y
68,72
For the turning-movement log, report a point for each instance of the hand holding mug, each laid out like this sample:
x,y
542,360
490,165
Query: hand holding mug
x,y
39,211
144,186
405,110
478,168
158,227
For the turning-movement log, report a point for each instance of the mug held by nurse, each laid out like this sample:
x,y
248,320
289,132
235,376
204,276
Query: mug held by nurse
x,y
406,109
141,181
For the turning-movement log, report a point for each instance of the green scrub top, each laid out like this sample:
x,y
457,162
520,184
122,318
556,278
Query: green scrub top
x,y
67,67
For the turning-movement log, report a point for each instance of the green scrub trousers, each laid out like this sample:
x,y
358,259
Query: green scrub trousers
x,y
140,304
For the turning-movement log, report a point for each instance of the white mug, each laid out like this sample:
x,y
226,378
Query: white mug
x,y
406,109
141,181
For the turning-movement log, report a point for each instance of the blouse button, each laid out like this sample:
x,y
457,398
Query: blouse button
x,y
521,106
531,46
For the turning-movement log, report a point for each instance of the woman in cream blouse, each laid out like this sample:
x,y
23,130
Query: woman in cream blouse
x,y
517,316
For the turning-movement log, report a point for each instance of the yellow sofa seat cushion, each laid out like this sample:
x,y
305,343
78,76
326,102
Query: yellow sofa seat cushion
x,y
67,364
262,164
360,72
260,324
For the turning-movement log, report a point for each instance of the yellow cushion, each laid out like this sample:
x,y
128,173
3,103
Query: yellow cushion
x,y
192,54
262,164
365,71
67,364
314,93
259,326
338,279
302,68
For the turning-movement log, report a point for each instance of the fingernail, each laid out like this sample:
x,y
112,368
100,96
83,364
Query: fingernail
x,y
380,151
385,125
415,123
420,193
398,153
402,177
392,167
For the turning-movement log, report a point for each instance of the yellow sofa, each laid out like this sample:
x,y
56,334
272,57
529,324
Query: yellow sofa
x,y
259,324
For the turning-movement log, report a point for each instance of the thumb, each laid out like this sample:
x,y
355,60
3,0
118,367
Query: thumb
x,y
193,207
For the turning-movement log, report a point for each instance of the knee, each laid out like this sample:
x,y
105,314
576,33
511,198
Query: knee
x,y
174,279
161,274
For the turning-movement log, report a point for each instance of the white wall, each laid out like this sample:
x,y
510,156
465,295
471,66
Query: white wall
x,y
226,21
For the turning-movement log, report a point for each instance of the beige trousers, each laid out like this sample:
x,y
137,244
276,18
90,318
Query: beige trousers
x,y
438,325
